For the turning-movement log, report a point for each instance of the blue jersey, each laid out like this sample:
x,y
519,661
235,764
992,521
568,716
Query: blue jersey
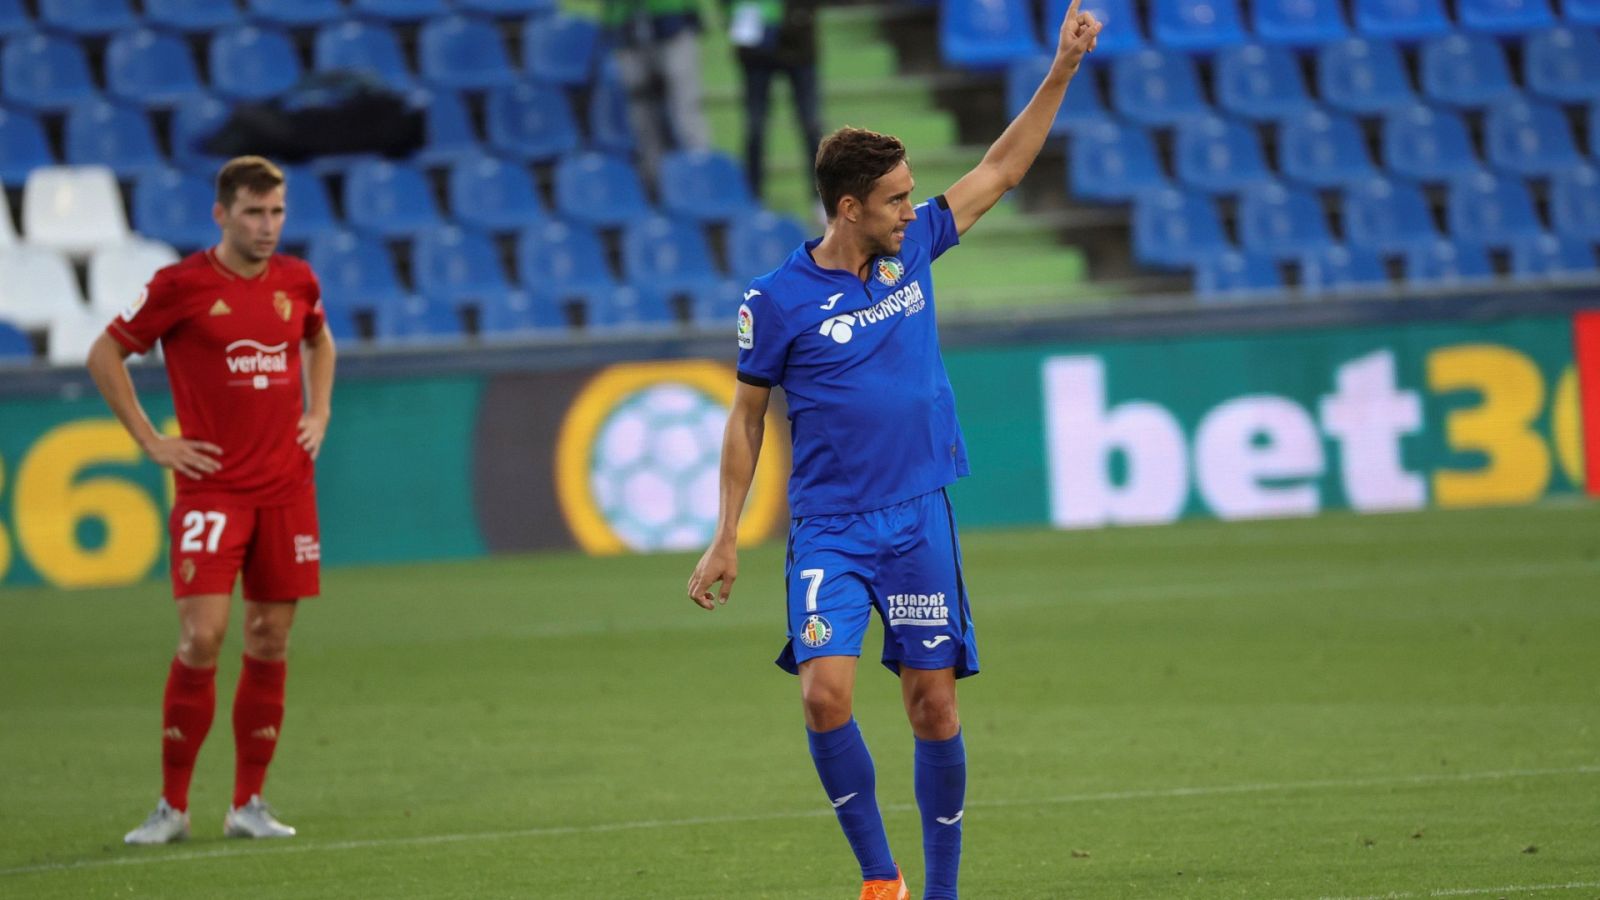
x,y
871,411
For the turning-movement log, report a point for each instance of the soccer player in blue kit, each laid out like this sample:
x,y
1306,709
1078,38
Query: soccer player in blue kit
x,y
846,326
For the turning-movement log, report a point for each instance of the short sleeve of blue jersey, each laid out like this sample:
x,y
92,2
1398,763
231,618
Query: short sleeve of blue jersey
x,y
935,227
763,338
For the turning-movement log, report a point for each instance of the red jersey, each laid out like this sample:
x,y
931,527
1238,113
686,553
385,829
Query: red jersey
x,y
232,347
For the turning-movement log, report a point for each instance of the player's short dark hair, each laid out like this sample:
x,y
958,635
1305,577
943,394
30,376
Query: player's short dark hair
x,y
850,161
255,174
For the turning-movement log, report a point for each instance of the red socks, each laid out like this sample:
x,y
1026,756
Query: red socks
x,y
186,712
257,716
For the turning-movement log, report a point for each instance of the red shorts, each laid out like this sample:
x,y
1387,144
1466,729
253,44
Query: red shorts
x,y
277,547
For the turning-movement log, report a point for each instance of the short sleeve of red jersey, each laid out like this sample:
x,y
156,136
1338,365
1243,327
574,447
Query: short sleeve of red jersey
x,y
157,309
314,316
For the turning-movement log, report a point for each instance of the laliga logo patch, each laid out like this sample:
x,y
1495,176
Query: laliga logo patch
x,y
890,271
815,632
134,307
747,327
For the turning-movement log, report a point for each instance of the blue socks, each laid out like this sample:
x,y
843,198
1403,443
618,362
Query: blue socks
x,y
847,775
941,781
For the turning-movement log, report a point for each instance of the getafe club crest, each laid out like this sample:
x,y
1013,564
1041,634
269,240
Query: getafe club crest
x,y
815,632
890,270
282,303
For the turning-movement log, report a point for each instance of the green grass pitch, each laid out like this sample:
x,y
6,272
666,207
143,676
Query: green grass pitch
x,y
1398,706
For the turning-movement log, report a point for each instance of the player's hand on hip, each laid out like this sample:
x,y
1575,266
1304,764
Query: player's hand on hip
x,y
720,563
195,459
312,429
1080,31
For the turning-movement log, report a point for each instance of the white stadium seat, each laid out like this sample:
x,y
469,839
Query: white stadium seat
x,y
74,209
118,274
70,337
37,287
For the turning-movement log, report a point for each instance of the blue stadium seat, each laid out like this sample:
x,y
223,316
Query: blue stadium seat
x,y
1386,216
340,320
101,133
1504,16
563,261
175,207
297,13
1528,138
1299,23
630,306
457,264
1427,144
1581,12
357,269
665,254
390,199
560,49
14,19
1235,275
761,243
15,346
310,208
44,72
1259,82
1592,113
1401,20
87,18
1323,150
1198,25
1466,70
363,47
1486,208
1575,203
1447,262
1219,155
464,53
986,34
1363,77
716,303
1121,36
507,7
598,190
1551,256
1338,267
1156,88
417,318
704,186
191,15
530,121
1109,161
151,68
447,126
1082,106
1175,229
193,120
1563,64
402,10
516,312
23,146
609,128
1282,222
494,194
250,63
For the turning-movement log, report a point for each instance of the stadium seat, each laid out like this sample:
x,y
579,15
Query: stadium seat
x,y
560,49
1465,70
1575,203
14,18
23,145
1282,222
1485,208
362,47
704,186
1323,150
1529,138
1401,20
1504,16
250,63
1563,64
715,304
1261,83
1363,77
1299,23
191,15
1081,106
8,233
530,121
402,10
1218,155
1114,162
1592,113
563,261
1198,25
1551,256
1386,216
494,194
1235,275
416,318
447,125
151,68
102,133
610,130
73,209
1156,88
389,199
1175,229
117,274
310,208
598,190
457,264
630,307
1581,12
1341,268
70,336
761,243
357,269
195,119
14,345
986,34
296,13
44,72
665,254
1447,262
519,312
87,18
1427,144
175,207
507,7
1122,34
463,53
40,287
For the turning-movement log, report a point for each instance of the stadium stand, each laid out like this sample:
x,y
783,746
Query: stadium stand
x,y
117,273
1337,268
530,121
73,209
389,199
89,18
704,186
14,345
1323,150
363,47
8,232
191,15
560,49
1198,25
101,133
1111,162
252,63
1447,262
1254,81
1401,20
494,194
44,72
1155,88
1299,23
1466,70
1219,155
464,53
150,68
599,190
40,287
23,146
296,13
1529,138
1282,222
1426,143
1235,275
1386,216
174,206
1363,77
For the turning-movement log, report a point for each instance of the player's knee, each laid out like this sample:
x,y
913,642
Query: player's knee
x,y
826,706
200,643
265,639
933,715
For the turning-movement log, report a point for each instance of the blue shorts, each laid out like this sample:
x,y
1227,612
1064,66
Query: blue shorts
x,y
903,561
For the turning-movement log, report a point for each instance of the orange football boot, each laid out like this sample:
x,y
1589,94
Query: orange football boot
x,y
885,889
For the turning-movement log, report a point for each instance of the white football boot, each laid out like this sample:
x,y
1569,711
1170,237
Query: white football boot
x,y
255,820
165,826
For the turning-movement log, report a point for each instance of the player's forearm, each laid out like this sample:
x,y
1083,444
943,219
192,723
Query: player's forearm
x,y
741,449
109,370
320,361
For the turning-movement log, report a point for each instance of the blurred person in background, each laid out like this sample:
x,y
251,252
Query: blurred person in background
x,y
656,45
775,38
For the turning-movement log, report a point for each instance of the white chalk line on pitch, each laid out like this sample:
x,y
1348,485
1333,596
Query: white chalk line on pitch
x,y
1472,892
689,822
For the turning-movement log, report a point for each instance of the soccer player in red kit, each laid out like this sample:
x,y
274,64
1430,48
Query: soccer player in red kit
x,y
231,321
